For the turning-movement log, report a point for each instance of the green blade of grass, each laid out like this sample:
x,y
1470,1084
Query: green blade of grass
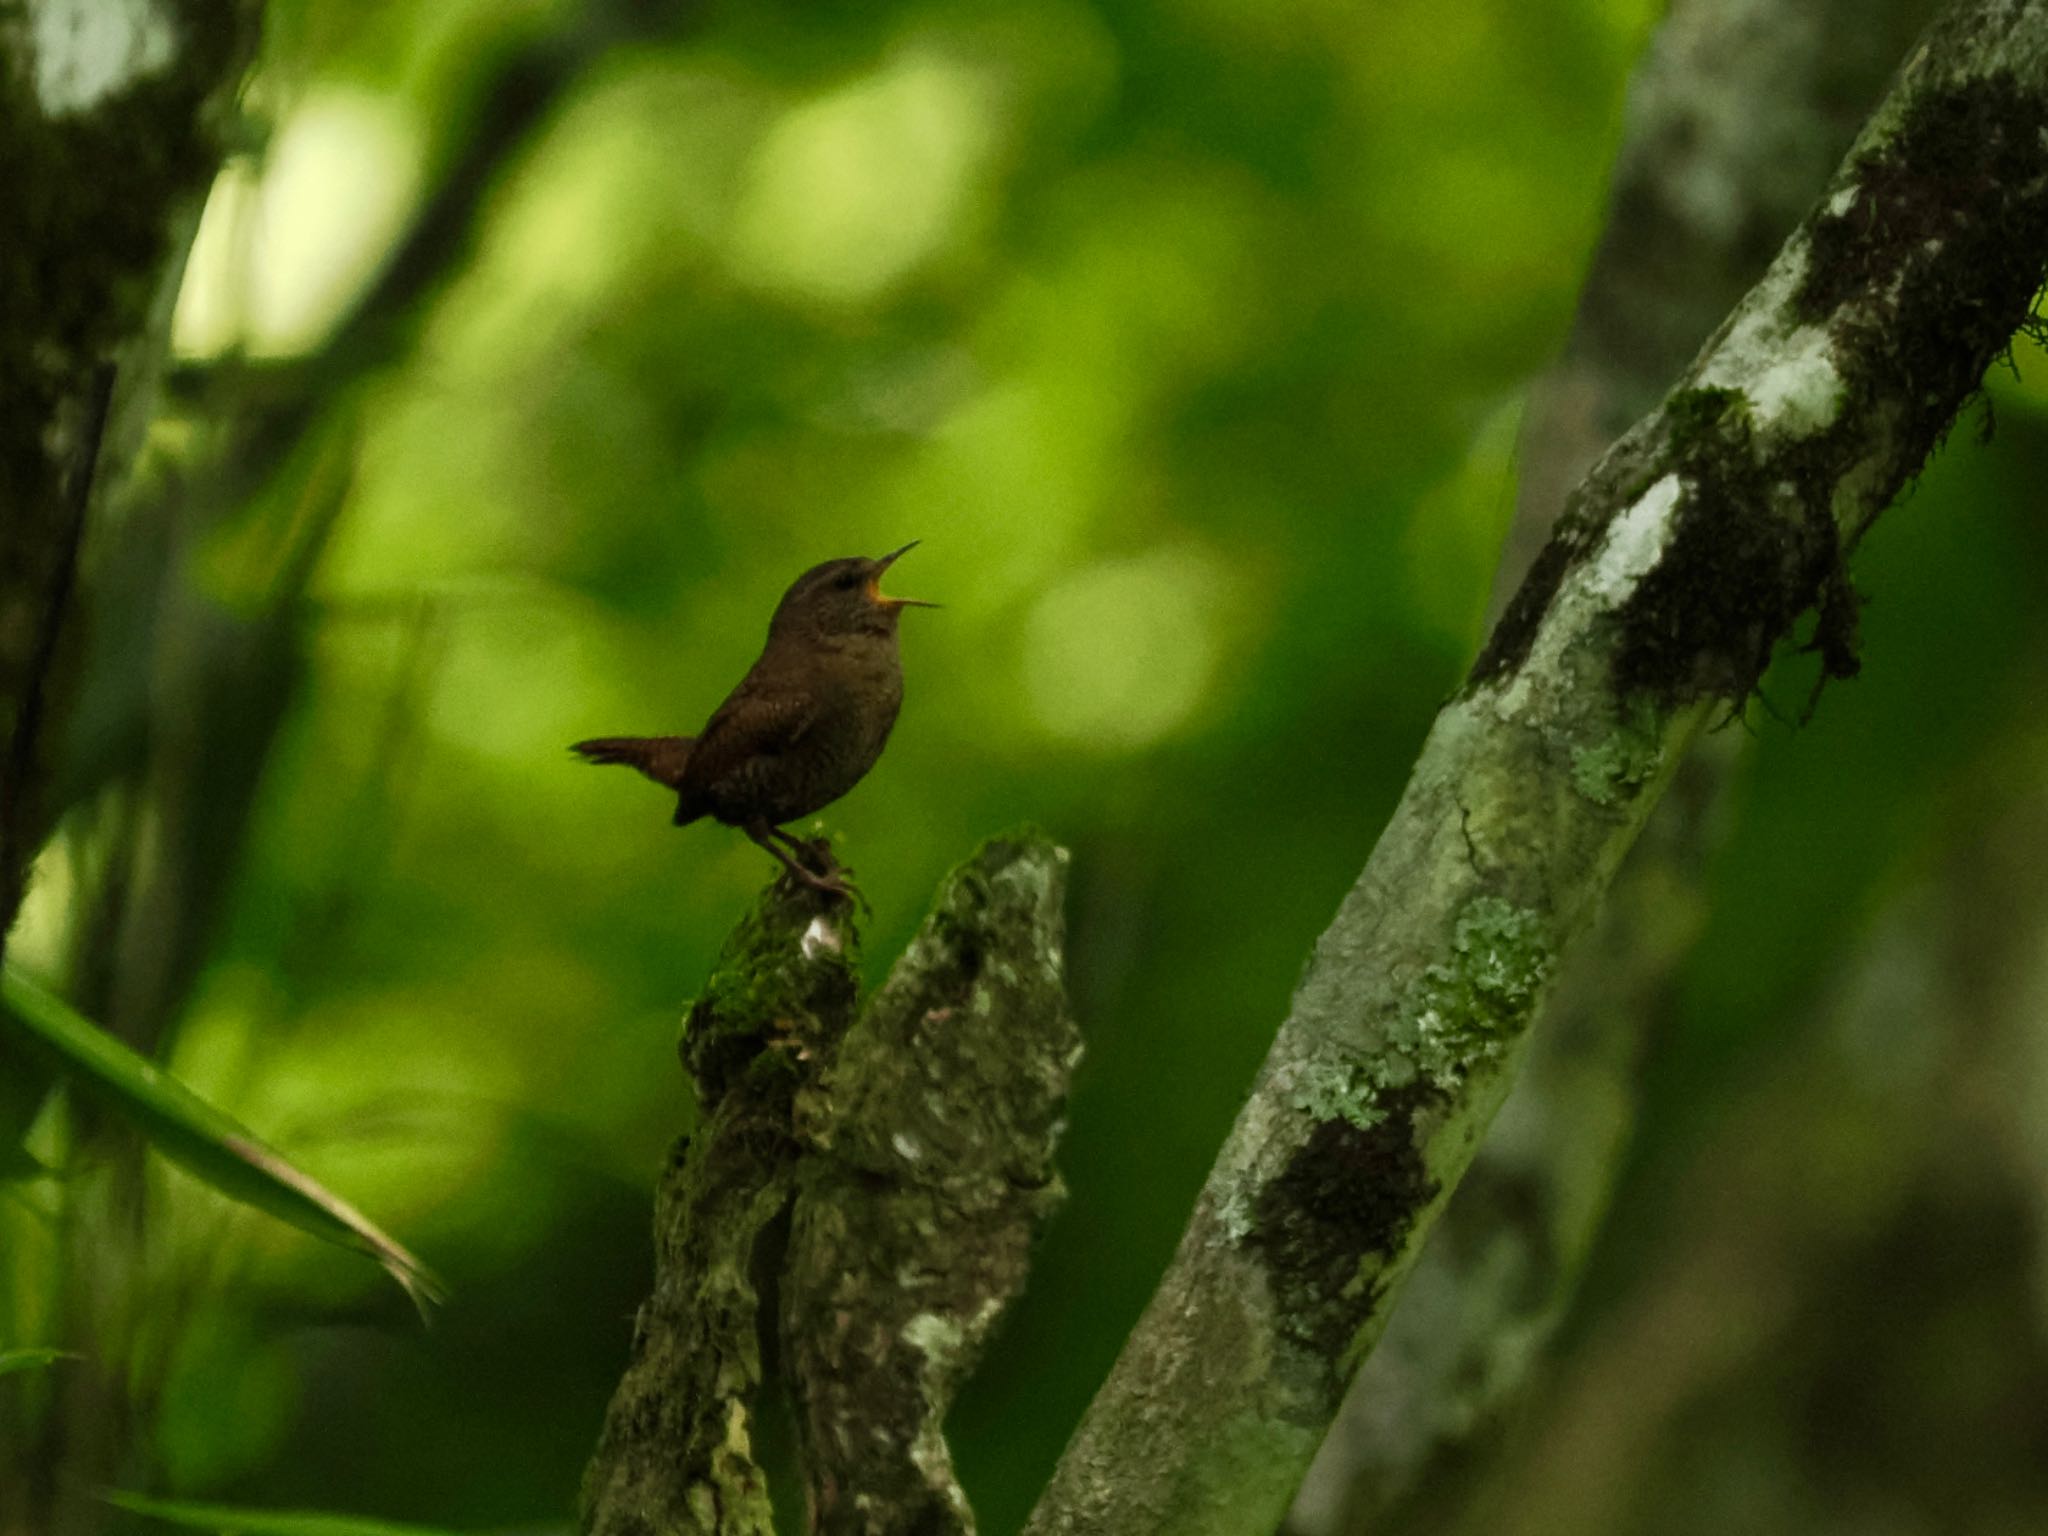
x,y
229,1521
205,1141
12,1360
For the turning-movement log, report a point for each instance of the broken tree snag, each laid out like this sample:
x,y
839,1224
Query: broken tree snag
x,y
913,1223
875,1183
676,1454
1683,560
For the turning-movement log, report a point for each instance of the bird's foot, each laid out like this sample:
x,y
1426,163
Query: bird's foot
x,y
816,853
832,882
838,881
811,862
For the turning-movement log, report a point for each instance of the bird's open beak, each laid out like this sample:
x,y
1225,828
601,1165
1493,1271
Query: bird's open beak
x,y
875,593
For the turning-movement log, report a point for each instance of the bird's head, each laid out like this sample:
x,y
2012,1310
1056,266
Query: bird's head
x,y
844,597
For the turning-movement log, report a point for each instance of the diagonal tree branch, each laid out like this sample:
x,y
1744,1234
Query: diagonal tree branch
x,y
1736,117
1684,558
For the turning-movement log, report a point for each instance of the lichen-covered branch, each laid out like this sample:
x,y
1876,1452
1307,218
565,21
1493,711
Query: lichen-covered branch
x,y
875,1181
1682,561
913,1225
1736,117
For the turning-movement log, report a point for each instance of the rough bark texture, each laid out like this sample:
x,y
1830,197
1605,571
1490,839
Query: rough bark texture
x,y
109,136
1740,110
1681,562
878,1179
913,1225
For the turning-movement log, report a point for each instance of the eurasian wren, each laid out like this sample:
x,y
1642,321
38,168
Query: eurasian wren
x,y
804,725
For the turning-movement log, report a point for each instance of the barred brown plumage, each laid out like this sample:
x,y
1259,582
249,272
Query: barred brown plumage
x,y
804,725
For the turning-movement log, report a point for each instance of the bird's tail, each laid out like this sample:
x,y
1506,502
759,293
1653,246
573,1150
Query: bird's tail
x,y
661,758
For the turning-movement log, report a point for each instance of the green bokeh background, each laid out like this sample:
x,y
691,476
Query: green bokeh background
x,y
1191,339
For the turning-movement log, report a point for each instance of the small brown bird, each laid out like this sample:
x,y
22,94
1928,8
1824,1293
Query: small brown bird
x,y
803,727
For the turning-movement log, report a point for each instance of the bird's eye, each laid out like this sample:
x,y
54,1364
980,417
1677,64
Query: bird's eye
x,y
848,582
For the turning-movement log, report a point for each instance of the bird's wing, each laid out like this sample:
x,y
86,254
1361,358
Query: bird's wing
x,y
753,723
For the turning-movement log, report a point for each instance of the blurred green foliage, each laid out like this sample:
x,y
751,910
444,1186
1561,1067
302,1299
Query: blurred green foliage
x,y
192,1133
1189,337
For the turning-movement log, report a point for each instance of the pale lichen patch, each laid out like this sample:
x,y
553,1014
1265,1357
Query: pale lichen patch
x,y
1470,1008
934,1333
1337,1090
1786,369
1629,550
1561,627
1611,771
1634,541
1800,390
821,937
